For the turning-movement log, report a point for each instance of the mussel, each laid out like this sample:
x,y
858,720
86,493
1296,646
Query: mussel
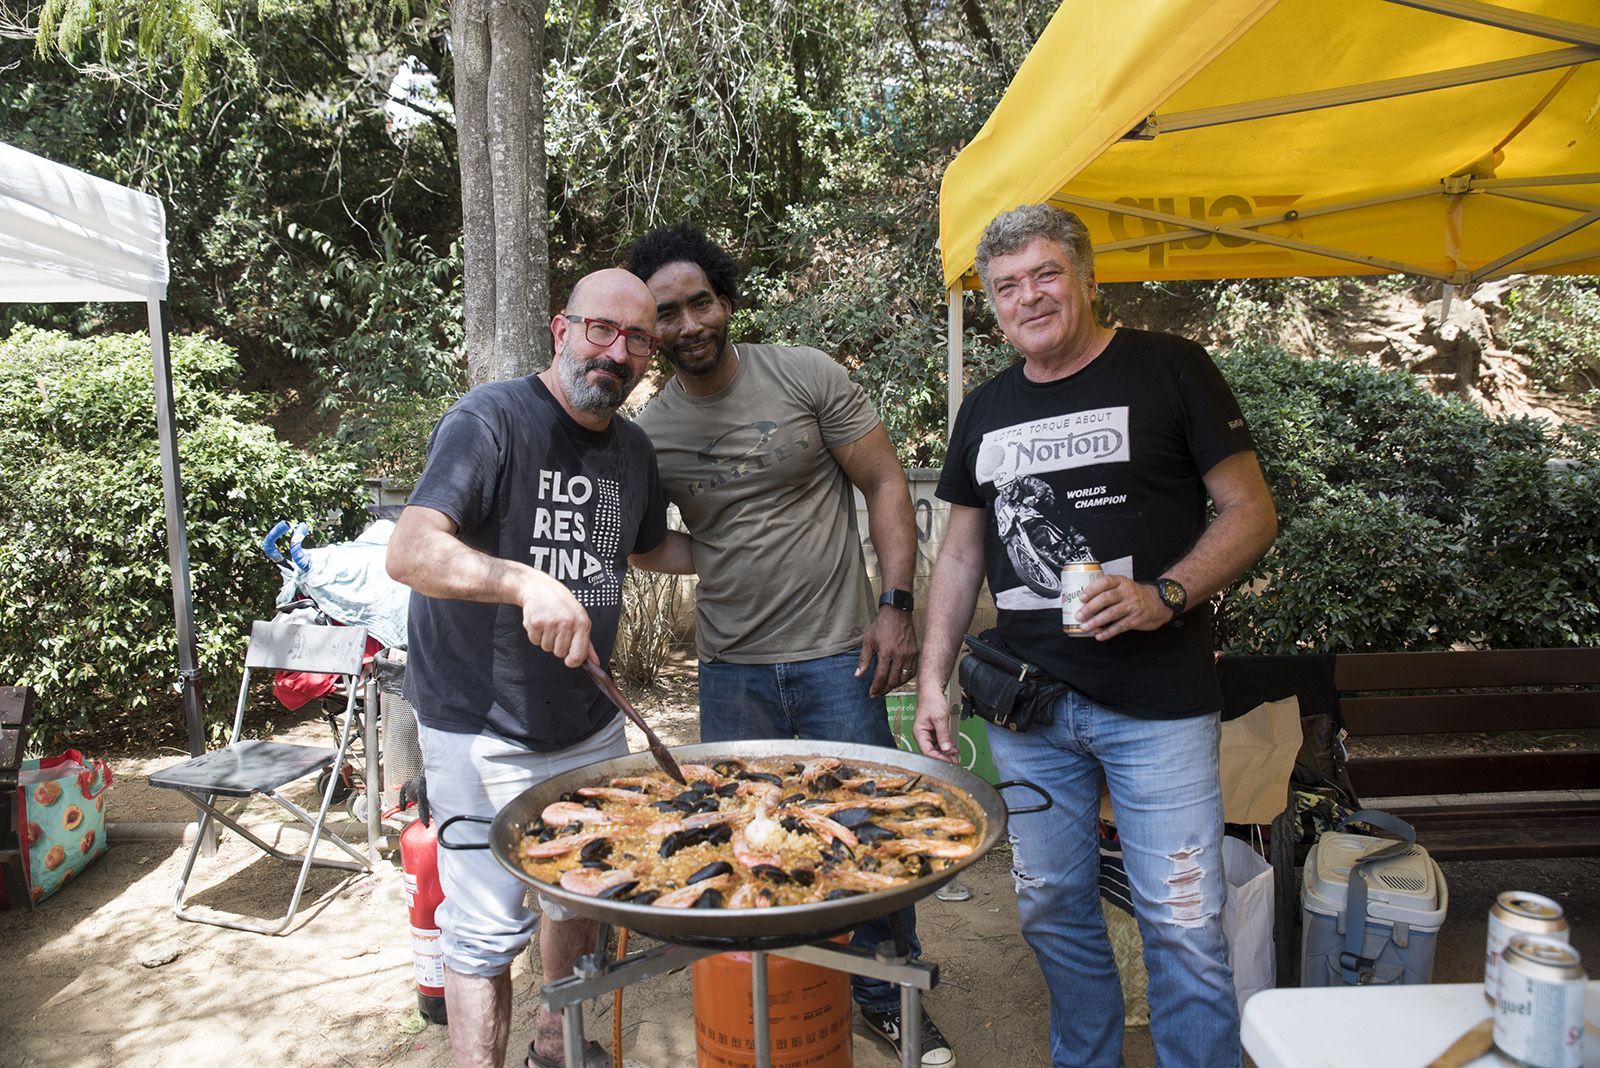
x,y
621,891
711,899
851,817
868,833
716,867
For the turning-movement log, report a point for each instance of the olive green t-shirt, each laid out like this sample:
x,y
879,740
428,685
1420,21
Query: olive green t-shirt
x,y
772,515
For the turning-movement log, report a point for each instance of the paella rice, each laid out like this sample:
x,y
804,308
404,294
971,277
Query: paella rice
x,y
748,834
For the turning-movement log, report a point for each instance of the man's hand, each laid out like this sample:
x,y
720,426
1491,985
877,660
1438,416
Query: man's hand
x,y
554,619
932,726
1115,604
426,554
893,640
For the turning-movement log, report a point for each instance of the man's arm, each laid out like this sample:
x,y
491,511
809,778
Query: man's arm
x,y
952,595
674,556
425,554
1243,529
871,466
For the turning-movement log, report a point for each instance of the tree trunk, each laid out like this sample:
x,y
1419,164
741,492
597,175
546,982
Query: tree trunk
x,y
972,12
499,99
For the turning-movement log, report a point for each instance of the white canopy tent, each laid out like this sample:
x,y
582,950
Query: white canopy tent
x,y
67,236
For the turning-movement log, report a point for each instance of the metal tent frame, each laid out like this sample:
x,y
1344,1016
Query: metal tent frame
x,y
67,236
987,177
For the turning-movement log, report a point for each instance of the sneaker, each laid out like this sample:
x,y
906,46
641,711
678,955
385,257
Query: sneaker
x,y
936,1052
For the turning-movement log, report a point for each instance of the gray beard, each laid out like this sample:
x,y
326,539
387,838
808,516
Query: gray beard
x,y
603,397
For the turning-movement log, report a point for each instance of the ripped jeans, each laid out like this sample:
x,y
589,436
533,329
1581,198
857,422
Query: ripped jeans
x,y
1164,788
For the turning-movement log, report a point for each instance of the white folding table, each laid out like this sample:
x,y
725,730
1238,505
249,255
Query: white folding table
x,y
1378,1026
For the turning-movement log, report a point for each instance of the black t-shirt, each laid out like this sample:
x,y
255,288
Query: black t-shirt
x,y
1103,465
523,481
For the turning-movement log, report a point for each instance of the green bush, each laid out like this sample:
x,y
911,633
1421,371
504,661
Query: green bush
x,y
1409,521
86,611
1556,322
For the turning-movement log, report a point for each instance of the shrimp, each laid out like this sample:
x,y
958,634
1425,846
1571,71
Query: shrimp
x,y
750,896
880,782
685,896
766,795
823,826
931,847
531,849
608,793
812,770
649,783
563,813
701,773
883,804
952,825
592,882
858,882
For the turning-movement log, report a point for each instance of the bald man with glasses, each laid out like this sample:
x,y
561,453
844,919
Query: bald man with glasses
x,y
515,543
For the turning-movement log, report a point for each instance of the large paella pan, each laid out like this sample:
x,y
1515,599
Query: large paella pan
x,y
770,927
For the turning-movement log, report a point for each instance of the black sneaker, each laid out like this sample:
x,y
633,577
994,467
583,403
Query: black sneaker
x,y
936,1052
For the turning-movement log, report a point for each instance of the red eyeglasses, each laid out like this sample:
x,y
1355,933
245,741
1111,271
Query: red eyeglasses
x,y
601,333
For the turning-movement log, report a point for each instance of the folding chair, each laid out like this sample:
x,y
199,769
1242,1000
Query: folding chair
x,y
245,768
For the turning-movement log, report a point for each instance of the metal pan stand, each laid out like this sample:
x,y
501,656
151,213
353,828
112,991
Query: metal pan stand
x,y
593,977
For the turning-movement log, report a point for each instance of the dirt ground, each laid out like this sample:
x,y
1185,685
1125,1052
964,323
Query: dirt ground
x,y
104,974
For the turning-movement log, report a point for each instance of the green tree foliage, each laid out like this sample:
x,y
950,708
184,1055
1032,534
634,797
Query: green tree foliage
x,y
309,217
1556,322
1409,521
809,138
85,597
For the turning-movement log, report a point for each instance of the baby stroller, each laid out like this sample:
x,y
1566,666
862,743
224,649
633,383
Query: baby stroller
x,y
346,584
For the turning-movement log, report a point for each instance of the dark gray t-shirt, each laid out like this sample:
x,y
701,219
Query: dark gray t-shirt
x,y
523,481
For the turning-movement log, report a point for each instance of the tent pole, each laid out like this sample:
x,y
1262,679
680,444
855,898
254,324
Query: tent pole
x,y
177,534
954,373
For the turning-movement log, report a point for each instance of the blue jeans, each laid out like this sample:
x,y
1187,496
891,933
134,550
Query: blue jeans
x,y
818,700
1162,775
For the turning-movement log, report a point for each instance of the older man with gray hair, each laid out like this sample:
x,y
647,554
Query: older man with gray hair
x,y
1102,444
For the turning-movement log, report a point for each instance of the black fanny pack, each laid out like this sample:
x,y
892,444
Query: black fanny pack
x,y
1005,689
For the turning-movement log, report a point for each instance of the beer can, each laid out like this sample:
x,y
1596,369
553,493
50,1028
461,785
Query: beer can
x,y
1075,578
1538,1014
1517,912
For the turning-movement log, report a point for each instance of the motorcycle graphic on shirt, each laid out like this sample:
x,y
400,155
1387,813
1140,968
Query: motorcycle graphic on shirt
x,y
1037,548
1030,514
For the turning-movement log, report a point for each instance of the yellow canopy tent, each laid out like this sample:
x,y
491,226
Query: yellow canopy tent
x,y
1451,139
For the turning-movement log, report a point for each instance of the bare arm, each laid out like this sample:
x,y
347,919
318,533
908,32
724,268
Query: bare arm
x,y
957,575
425,554
674,556
872,467
1245,524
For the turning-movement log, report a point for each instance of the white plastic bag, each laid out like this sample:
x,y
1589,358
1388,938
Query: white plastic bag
x,y
1247,918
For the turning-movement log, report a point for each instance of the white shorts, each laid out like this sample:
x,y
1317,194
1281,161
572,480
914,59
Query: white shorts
x,y
485,920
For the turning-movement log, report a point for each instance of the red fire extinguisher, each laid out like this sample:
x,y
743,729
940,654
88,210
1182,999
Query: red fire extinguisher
x,y
419,861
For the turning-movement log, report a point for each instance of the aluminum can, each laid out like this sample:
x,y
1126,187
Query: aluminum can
x,y
1075,578
1517,912
1538,1015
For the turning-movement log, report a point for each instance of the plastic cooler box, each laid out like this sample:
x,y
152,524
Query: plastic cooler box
x,y
1406,904
973,740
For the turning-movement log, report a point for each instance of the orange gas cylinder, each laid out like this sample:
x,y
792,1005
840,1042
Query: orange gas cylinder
x,y
809,1008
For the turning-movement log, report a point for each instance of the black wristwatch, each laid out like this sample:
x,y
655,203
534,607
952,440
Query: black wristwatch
x,y
1173,595
900,600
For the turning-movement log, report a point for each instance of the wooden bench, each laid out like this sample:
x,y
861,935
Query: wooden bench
x,y
1479,692
1455,800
